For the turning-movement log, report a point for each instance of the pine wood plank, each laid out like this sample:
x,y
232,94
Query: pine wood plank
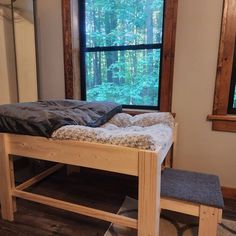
x,y
39,177
7,202
180,206
86,154
149,194
208,221
87,211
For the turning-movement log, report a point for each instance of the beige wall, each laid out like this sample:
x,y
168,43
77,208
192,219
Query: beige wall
x,y
25,50
200,148
8,91
50,53
21,84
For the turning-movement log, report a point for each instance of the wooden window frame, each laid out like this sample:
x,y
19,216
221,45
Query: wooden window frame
x,y
166,84
221,119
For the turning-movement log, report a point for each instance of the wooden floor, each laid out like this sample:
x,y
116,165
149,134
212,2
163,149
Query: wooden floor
x,y
95,190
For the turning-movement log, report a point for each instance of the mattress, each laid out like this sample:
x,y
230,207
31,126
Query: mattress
x,y
150,131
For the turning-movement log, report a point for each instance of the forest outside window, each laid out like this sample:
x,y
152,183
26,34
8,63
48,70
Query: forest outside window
x,y
126,51
121,47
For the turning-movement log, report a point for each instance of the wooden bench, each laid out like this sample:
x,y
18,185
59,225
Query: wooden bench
x,y
194,194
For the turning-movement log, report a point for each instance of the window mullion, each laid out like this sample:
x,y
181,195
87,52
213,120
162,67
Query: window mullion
x,y
123,48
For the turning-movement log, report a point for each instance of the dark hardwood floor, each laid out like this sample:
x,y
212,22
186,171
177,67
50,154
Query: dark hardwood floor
x,y
99,190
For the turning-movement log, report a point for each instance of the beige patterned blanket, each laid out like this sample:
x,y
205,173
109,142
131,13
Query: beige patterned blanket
x,y
150,131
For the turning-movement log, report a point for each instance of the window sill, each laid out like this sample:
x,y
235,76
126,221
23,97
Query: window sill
x,y
225,123
133,112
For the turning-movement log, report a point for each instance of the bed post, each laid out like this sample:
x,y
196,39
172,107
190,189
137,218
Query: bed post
x,y
174,146
149,172
6,180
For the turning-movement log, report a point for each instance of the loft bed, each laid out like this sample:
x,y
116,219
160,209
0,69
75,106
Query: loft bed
x,y
144,164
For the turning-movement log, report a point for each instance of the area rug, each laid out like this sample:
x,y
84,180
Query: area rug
x,y
172,224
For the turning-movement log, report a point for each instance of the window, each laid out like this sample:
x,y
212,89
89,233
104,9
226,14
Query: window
x,y
126,51
232,95
224,109
121,50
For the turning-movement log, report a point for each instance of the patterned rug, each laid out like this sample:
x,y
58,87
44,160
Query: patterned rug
x,y
172,224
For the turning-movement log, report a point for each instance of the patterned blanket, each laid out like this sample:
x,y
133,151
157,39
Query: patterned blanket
x,y
151,131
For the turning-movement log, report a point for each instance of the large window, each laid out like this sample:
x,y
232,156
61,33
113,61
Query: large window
x,y
121,48
126,51
232,96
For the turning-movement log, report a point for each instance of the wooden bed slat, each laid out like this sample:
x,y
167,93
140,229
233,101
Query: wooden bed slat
x,y
99,214
180,206
39,177
86,154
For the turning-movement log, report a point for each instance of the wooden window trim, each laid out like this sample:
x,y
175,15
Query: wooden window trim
x,y
67,45
221,120
166,83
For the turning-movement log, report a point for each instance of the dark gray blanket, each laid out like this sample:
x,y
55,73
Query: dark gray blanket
x,y
43,117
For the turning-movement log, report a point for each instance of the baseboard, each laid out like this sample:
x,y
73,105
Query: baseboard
x,y
229,192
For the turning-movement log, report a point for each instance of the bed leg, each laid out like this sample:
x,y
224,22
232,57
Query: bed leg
x,y
12,174
7,201
149,194
208,221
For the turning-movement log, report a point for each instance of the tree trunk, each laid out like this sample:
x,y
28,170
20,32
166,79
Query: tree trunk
x,y
111,57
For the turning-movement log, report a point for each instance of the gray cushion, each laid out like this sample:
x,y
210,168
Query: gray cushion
x,y
192,187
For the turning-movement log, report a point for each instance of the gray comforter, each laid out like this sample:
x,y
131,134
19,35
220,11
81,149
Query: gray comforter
x,y
42,118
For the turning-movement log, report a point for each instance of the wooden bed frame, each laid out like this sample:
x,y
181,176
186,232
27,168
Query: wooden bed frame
x,y
144,164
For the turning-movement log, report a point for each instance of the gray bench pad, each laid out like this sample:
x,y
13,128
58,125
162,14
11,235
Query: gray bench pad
x,y
192,187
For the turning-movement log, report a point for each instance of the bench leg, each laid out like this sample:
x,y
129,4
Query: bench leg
x,y
6,181
12,175
149,194
208,221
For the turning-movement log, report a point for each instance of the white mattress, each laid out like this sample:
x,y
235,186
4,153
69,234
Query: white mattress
x,y
150,131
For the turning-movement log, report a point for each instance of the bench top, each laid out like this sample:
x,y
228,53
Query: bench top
x,y
192,187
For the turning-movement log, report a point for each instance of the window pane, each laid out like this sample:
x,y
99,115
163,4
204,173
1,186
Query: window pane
x,y
123,22
126,77
234,105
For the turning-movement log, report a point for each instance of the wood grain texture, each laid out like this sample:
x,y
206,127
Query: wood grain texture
x,y
180,206
39,177
168,55
6,182
75,48
85,154
228,126
67,45
228,192
12,175
222,117
224,67
149,194
87,211
208,222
